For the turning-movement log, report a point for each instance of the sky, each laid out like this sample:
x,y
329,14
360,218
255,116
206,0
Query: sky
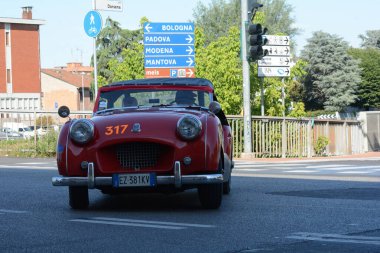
x,y
63,38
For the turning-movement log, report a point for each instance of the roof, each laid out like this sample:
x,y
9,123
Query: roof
x,y
73,78
22,21
166,81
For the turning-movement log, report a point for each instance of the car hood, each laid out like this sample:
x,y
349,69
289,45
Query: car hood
x,y
140,124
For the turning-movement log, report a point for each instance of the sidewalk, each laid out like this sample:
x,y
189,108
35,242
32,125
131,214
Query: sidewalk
x,y
368,155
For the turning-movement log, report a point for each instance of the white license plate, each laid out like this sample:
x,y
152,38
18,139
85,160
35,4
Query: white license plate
x,y
134,180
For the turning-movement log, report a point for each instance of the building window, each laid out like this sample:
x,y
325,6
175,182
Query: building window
x,y
9,76
7,39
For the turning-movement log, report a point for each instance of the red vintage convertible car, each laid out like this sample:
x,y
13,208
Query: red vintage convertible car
x,y
148,135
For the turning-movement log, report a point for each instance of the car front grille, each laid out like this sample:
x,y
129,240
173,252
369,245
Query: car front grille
x,y
138,155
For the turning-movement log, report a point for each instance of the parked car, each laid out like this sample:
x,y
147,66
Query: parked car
x,y
160,135
8,134
26,132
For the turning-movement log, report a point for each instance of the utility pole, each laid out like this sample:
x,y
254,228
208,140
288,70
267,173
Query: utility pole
x,y
252,36
246,84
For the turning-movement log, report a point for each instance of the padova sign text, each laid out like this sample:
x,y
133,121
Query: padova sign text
x,y
169,50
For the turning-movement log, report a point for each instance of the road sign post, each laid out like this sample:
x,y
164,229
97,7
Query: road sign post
x,y
169,50
277,64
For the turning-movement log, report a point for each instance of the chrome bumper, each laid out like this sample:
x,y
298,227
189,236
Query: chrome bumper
x,y
177,180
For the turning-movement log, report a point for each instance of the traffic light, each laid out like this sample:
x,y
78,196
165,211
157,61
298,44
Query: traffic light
x,y
256,41
255,32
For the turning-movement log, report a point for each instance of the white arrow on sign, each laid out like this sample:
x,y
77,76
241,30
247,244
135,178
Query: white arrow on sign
x,y
190,61
277,40
189,39
273,71
274,61
277,50
148,27
189,50
190,73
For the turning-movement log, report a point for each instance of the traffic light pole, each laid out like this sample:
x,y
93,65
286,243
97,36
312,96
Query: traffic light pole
x,y
246,85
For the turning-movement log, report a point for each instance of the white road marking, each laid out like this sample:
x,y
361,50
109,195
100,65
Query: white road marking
x,y
336,238
267,165
126,224
354,172
26,167
140,223
249,170
3,211
40,163
301,171
326,166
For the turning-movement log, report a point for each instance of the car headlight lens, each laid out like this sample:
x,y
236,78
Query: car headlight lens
x,y
82,131
189,127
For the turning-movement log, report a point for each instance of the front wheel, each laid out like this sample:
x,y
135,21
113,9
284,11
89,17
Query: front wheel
x,y
210,195
78,196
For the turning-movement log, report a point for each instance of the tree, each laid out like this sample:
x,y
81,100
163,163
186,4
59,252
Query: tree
x,y
110,44
333,75
219,16
369,88
216,19
220,63
371,39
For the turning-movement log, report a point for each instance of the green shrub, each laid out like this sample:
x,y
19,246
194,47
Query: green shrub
x,y
320,145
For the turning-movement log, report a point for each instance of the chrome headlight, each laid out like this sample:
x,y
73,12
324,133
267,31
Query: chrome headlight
x,y
82,131
189,127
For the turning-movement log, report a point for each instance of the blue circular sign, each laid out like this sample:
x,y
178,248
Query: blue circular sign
x,y
92,23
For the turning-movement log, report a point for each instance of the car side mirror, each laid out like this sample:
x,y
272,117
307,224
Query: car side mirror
x,y
215,107
64,111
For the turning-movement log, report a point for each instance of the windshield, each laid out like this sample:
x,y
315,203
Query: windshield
x,y
151,98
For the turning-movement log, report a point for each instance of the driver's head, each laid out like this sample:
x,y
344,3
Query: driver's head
x,y
186,97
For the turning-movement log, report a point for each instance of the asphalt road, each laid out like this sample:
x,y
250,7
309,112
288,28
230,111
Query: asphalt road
x,y
275,211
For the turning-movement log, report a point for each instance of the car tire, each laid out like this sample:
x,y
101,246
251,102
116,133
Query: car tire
x,y
210,195
227,186
78,196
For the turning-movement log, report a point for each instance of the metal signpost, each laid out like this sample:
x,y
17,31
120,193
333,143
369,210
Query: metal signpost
x,y
169,50
277,64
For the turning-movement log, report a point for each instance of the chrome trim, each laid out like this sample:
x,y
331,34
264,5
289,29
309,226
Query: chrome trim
x,y
177,174
91,176
161,180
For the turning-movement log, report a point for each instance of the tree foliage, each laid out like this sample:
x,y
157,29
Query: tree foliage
x,y
220,15
371,39
369,88
216,18
333,75
220,63
111,42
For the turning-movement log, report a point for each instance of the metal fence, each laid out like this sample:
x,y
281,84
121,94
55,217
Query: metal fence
x,y
290,137
271,136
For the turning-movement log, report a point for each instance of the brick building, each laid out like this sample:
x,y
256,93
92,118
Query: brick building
x,y
20,67
66,86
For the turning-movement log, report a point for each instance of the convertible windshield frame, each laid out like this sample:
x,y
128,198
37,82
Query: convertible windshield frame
x,y
110,98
